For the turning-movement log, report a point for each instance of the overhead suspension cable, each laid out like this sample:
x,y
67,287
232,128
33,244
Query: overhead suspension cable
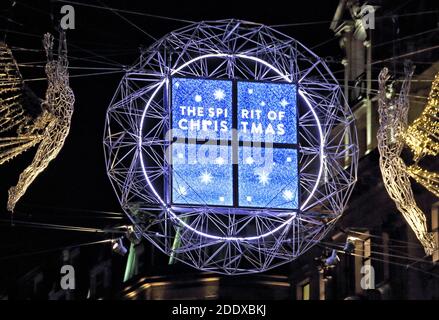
x,y
30,205
406,266
389,255
111,50
78,75
125,11
308,23
129,21
109,61
32,65
21,255
350,230
323,43
391,58
375,91
406,54
405,38
32,8
58,226
387,16
72,57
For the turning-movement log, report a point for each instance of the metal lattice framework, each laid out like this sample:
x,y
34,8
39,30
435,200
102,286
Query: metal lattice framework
x,y
393,116
49,129
12,113
230,241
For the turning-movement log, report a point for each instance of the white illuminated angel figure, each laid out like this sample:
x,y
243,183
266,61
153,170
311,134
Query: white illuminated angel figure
x,y
393,117
49,129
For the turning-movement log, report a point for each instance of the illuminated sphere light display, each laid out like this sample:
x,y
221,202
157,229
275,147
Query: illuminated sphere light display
x,y
230,147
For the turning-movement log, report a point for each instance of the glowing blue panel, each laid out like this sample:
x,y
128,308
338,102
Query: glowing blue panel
x,y
202,174
268,178
267,112
201,108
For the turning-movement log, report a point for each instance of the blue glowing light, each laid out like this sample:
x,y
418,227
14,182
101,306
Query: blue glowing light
x,y
268,178
201,108
267,112
202,174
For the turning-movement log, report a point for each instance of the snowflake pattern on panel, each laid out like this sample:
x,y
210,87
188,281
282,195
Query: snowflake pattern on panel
x,y
267,112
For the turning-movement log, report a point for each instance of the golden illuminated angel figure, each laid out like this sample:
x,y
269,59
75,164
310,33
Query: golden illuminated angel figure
x,y
422,137
393,117
49,129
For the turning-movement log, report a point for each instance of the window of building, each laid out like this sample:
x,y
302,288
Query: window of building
x,y
367,252
305,291
363,257
435,229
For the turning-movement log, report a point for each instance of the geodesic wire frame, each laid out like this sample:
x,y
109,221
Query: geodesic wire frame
x,y
49,129
229,240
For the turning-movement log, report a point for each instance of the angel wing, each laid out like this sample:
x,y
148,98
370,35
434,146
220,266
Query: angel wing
x,y
11,91
430,180
422,136
52,126
14,96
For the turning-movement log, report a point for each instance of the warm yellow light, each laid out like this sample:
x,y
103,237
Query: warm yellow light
x,y
422,137
430,180
49,129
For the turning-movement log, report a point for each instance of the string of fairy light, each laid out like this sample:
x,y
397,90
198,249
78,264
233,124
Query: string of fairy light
x,y
422,137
